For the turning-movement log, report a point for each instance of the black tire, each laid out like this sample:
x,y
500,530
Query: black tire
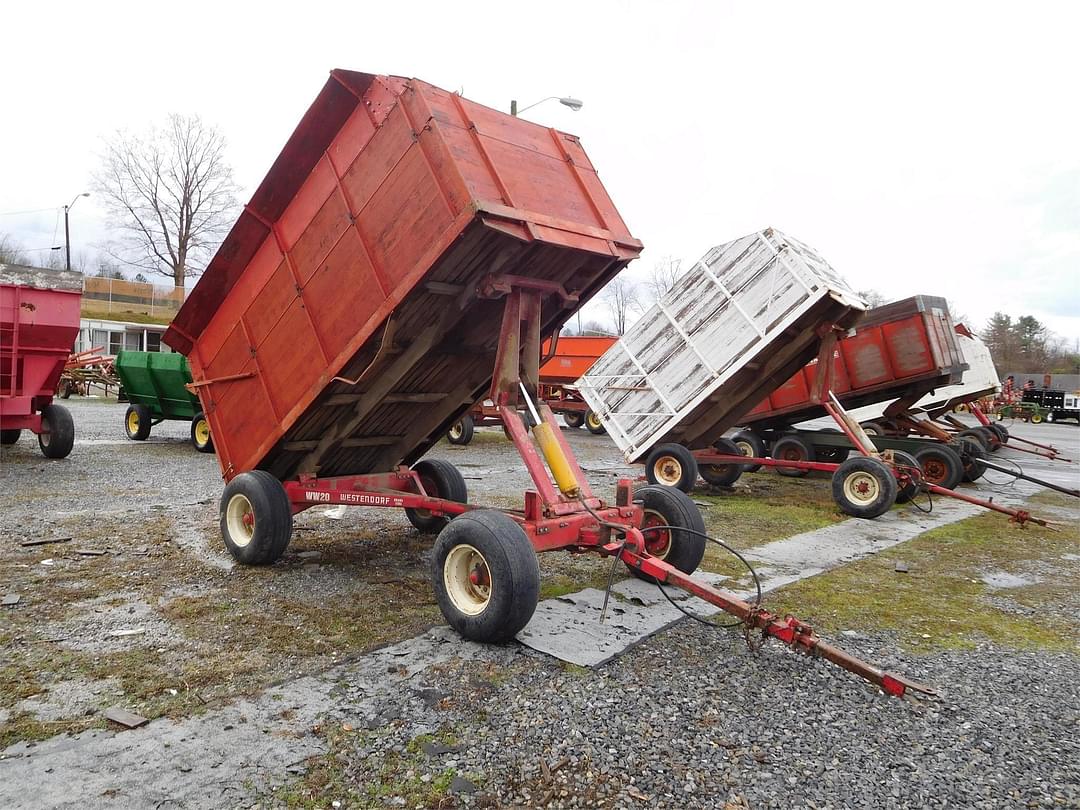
x,y
991,437
873,428
723,475
1036,417
864,487
1001,431
200,434
57,435
792,448
441,479
461,432
940,465
593,424
255,518
574,419
972,449
671,465
665,506
749,444
10,436
137,422
478,545
67,388
909,488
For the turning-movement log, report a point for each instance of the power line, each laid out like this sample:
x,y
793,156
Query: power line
x,y
29,211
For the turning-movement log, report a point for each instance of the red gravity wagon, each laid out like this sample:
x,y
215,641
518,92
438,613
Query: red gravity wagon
x,y
39,321
406,255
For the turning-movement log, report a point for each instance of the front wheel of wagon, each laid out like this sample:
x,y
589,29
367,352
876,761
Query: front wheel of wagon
x,y
137,422
10,436
593,423
255,518
673,528
461,432
200,434
749,444
792,448
485,575
671,465
440,479
574,419
57,435
941,465
864,487
723,475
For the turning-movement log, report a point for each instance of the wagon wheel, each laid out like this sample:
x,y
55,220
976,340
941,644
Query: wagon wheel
x,y
485,575
200,434
574,419
461,432
10,436
664,506
972,449
440,479
593,423
723,475
864,487
255,518
137,422
940,465
671,465
792,448
749,444
57,436
909,474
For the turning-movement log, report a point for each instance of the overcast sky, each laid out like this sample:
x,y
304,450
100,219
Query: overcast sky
x,y
921,148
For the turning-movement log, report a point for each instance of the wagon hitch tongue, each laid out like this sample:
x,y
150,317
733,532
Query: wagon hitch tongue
x,y
791,631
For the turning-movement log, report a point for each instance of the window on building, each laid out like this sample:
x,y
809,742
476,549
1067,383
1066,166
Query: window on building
x,y
132,341
153,342
116,342
100,340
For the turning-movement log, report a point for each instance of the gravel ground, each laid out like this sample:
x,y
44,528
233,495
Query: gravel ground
x,y
688,718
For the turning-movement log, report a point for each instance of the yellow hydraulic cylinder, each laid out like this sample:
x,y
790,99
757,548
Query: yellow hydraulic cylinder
x,y
556,460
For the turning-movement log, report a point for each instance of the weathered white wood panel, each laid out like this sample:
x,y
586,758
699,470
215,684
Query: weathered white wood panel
x,y
727,312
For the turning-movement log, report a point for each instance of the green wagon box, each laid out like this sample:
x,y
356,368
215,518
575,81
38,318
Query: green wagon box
x,y
155,386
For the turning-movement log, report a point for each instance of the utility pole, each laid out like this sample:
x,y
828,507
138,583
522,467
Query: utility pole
x,y
67,231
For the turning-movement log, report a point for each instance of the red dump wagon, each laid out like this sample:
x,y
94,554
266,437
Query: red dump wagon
x,y
39,321
406,255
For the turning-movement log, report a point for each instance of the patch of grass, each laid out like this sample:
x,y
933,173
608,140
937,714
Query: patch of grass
x,y
943,602
128,317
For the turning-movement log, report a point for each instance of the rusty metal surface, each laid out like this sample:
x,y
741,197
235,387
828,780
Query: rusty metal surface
x,y
734,327
349,318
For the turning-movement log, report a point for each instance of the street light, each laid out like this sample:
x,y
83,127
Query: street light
x,y
573,103
67,233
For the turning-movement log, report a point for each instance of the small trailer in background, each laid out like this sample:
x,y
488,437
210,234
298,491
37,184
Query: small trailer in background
x,y
155,385
564,362
409,251
39,321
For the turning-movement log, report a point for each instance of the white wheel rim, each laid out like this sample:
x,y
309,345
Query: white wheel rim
x,y
46,433
668,471
745,448
467,579
861,488
240,520
457,430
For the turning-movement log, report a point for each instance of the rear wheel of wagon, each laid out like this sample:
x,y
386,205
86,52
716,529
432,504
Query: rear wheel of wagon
x,y
200,434
792,448
10,436
723,475
749,444
940,465
864,487
673,529
440,479
672,465
57,435
485,576
574,419
1001,431
991,437
972,449
461,432
255,518
137,422
593,423
907,485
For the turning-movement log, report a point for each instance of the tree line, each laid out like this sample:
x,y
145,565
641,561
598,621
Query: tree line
x,y
1026,345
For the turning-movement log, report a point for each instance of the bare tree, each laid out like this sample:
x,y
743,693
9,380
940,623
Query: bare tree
x,y
11,252
170,194
663,277
873,298
622,297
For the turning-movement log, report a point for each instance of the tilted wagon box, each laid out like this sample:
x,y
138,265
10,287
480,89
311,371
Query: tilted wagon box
x,y
408,252
155,385
39,321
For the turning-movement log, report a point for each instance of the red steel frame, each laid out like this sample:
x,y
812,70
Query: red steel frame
x,y
576,520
